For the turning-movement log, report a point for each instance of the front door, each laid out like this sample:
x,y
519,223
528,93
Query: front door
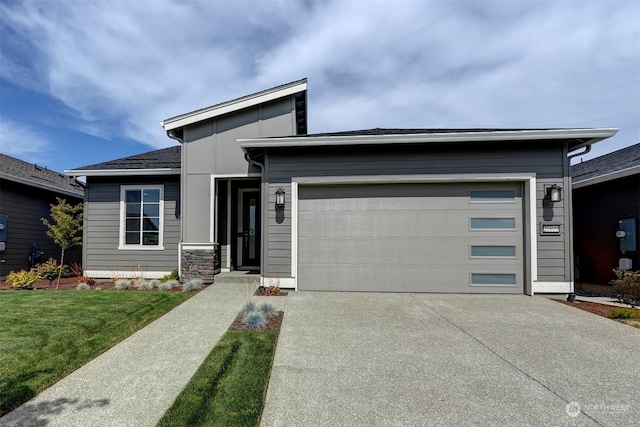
x,y
251,229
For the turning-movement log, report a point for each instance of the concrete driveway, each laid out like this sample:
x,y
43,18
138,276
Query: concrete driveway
x,y
431,359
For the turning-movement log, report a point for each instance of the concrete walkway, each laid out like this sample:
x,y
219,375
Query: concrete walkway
x,y
135,382
376,359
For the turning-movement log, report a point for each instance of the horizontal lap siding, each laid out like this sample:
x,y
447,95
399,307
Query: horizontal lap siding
x,y
102,233
25,206
545,159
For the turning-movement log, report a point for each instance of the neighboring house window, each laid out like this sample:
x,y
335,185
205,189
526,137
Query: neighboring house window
x,y
141,217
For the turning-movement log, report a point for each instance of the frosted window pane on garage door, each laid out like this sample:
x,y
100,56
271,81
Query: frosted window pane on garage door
x,y
493,223
493,279
493,251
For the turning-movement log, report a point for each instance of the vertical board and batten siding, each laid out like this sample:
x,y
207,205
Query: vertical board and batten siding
x,y
546,159
102,230
211,148
25,206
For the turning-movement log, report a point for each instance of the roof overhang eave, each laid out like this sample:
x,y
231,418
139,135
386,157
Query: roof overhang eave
x,y
584,136
122,172
634,170
52,188
232,106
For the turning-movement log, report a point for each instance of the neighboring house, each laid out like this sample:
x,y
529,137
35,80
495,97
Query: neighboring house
x,y
407,210
606,199
26,194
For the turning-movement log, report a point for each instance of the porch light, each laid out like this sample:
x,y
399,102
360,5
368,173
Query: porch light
x,y
280,198
555,193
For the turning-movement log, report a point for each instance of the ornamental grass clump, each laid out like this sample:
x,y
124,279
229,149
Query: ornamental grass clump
x,y
123,284
254,320
143,285
155,283
167,286
192,285
248,307
83,287
267,309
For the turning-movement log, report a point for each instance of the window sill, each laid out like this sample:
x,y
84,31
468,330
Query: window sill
x,y
140,248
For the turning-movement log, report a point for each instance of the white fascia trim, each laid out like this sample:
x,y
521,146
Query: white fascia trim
x,y
125,274
553,287
607,177
594,135
122,172
528,179
232,106
294,233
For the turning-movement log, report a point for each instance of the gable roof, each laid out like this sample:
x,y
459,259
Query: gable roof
x,y
165,161
617,164
234,105
16,170
578,138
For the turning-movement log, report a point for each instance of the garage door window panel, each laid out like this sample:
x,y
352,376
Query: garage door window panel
x,y
493,224
492,251
493,279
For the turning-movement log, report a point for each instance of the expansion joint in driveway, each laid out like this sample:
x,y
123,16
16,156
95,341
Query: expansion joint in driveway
x,y
481,343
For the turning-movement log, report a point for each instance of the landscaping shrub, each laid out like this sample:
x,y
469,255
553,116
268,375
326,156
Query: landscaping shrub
x,y
192,285
165,286
267,309
171,276
254,320
143,285
83,287
626,286
272,291
155,283
625,313
50,270
248,307
90,281
123,284
23,279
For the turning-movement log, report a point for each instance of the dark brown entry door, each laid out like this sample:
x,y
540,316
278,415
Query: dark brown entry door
x,y
251,229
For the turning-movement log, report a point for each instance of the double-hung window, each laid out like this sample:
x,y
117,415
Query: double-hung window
x,y
141,217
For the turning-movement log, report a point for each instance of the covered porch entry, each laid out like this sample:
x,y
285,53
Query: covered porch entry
x,y
237,222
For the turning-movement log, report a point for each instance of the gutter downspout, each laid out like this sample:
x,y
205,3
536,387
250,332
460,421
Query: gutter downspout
x,y
171,134
263,208
572,296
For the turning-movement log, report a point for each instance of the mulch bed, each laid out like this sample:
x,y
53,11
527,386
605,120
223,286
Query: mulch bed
x,y
273,324
592,307
71,283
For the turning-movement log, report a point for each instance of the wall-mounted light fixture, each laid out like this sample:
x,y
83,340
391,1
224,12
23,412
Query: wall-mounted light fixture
x,y
555,193
280,198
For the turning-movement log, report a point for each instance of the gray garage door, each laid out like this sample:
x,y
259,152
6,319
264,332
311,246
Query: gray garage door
x,y
463,238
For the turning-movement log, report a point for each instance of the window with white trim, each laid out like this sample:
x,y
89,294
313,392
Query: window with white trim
x,y
141,216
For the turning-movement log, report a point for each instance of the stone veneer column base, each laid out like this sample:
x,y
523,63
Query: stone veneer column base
x,y
201,263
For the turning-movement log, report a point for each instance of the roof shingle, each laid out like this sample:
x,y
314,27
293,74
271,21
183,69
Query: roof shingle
x,y
609,163
17,170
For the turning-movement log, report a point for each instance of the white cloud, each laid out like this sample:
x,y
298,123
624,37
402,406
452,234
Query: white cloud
x,y
22,142
123,66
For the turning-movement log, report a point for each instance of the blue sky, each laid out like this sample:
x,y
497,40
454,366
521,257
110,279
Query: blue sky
x,y
83,82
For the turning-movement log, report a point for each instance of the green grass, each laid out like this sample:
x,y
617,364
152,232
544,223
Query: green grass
x,y
46,335
229,388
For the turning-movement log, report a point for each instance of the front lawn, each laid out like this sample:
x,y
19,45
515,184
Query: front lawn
x,y
46,335
230,386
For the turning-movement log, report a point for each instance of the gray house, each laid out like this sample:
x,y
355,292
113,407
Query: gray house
x,y
606,199
403,210
26,193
